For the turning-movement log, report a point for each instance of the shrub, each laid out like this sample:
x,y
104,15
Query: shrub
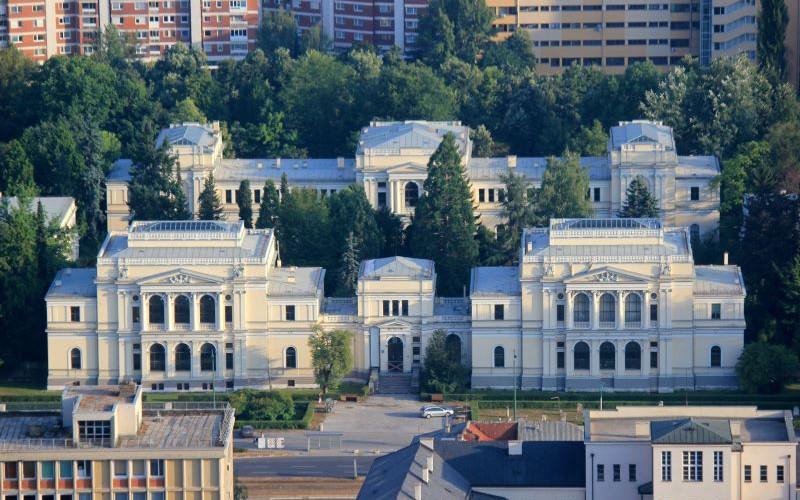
x,y
766,368
262,405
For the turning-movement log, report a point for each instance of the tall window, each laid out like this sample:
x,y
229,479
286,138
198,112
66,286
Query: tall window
x,y
632,473
412,194
607,356
290,313
207,309
207,357
156,309
183,358
716,311
763,474
692,465
75,314
666,466
779,473
581,312
748,474
601,473
291,357
633,356
581,355
633,308
617,473
75,359
181,307
607,309
499,312
499,357
716,356
157,361
718,474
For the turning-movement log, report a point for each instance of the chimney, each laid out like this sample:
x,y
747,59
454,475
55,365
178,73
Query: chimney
x,y
529,246
278,162
426,475
511,160
725,259
340,162
418,491
430,463
514,448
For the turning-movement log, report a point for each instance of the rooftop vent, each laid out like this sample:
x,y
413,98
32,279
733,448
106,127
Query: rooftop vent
x,y
260,165
35,431
277,162
515,448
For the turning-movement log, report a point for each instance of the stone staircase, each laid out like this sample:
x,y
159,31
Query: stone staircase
x,y
395,383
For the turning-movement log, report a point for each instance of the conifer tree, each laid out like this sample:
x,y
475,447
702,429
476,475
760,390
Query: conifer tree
x,y
284,186
268,211
563,191
771,46
244,199
155,191
209,204
348,270
639,202
444,224
518,214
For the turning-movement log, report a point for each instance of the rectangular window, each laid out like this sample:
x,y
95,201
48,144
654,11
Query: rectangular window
x,y
405,307
28,470
601,473
632,473
229,196
289,313
395,308
120,468
718,474
156,468
693,466
499,311
381,200
481,195
135,315
763,474
653,312
666,466
120,496
228,314
257,195
779,473
559,312
137,468
94,429
10,470
229,361
716,311
596,194
748,474
386,305
653,359
65,469
137,359
694,193
84,469
560,360
490,192
617,473
48,470
75,314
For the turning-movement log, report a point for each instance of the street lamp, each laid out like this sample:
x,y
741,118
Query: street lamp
x,y
602,386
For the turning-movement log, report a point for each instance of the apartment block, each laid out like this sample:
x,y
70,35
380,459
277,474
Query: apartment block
x,y
106,444
224,28
383,23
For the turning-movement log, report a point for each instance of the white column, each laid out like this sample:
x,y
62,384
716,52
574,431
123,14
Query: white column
x,y
218,296
169,360
194,313
594,358
122,310
145,315
595,310
620,309
145,361
646,310
620,361
568,314
195,365
168,309
122,360
547,309
220,353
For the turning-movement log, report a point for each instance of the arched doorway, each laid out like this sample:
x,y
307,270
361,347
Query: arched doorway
x,y
452,344
395,354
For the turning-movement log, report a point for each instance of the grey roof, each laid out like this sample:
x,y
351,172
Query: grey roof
x,y
55,207
73,282
494,281
192,226
612,223
696,166
297,171
642,131
187,134
532,168
691,431
120,170
394,267
549,431
296,281
394,136
253,246
718,280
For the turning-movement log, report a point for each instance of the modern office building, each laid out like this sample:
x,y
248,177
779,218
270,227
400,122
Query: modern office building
x,y
41,29
106,444
391,163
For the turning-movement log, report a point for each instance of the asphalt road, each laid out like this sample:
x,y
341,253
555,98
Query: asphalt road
x,y
302,466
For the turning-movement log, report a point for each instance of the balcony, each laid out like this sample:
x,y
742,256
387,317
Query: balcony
x,y
633,324
581,325
181,326
608,324
208,326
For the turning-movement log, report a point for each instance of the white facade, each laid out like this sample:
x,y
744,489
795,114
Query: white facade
x,y
391,163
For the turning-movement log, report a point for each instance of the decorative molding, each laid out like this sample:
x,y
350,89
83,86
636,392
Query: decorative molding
x,y
180,279
605,277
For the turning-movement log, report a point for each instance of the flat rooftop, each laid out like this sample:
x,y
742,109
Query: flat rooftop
x,y
101,398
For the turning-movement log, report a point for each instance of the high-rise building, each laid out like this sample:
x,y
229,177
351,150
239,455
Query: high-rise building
x,y
40,29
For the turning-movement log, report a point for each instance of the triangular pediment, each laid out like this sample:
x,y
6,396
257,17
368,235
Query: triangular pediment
x,y
180,277
394,324
408,168
606,275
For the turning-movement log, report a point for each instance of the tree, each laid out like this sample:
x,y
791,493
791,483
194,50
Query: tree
x,y
314,38
90,183
348,269
331,356
482,142
114,48
390,227
244,200
444,223
209,204
278,29
16,72
182,72
489,251
442,368
514,54
771,48
784,145
187,111
437,40
517,213
639,202
57,163
764,368
304,231
590,141
268,211
16,170
398,93
459,27
155,191
563,190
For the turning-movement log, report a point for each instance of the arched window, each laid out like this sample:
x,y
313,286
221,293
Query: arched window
x,y
208,355
694,232
633,356
183,358
291,357
412,194
181,307
499,357
157,360
452,346
156,309
633,308
607,308
607,356
208,312
716,356
75,359
581,308
581,356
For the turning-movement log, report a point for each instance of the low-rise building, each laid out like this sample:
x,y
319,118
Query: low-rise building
x,y
59,210
107,444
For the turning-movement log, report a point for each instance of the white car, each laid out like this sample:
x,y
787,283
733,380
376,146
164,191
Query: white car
x,y
435,411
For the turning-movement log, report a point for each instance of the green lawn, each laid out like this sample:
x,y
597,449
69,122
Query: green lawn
x,y
24,389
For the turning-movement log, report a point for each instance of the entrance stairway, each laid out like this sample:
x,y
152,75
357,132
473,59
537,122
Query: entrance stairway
x,y
395,383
